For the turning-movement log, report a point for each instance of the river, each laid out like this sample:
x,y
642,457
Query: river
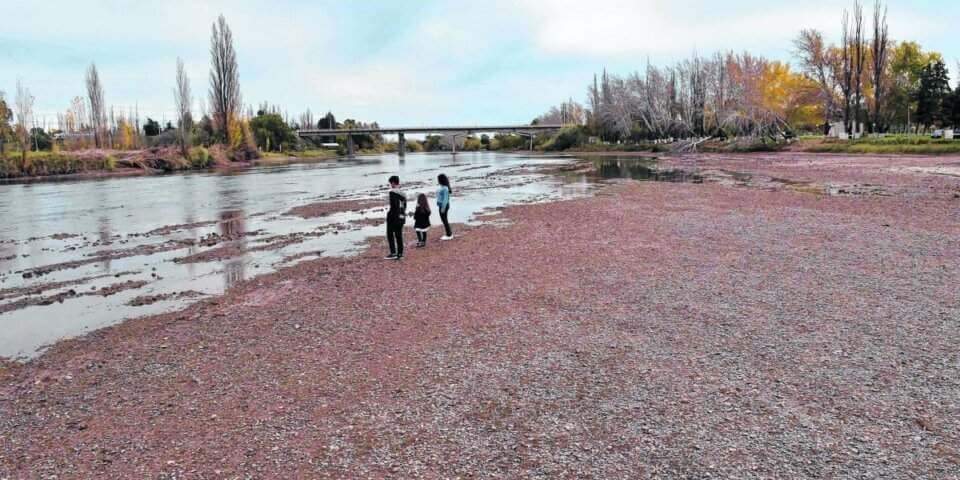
x,y
80,255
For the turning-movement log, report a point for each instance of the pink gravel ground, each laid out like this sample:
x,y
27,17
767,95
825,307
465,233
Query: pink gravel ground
x,y
654,330
319,209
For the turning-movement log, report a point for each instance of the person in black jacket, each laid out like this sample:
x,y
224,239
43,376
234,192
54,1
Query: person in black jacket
x,y
421,220
396,217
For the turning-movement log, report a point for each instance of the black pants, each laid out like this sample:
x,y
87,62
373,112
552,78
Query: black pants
x,y
443,218
395,238
422,237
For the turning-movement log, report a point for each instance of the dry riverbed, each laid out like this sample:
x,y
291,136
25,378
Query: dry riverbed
x,y
726,324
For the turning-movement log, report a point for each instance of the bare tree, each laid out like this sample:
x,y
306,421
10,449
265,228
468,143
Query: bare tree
x,y
593,94
846,74
306,120
183,99
224,78
136,124
23,108
568,113
724,93
78,110
721,79
98,112
5,115
879,54
859,52
695,72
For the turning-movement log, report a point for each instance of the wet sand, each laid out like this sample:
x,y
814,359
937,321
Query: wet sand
x,y
657,329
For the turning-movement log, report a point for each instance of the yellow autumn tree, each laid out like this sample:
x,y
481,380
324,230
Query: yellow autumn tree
x,y
235,132
249,142
125,129
791,96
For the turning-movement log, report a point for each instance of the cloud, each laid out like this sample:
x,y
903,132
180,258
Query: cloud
x,y
409,63
622,28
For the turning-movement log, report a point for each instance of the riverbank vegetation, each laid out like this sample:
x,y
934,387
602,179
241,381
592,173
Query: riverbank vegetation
x,y
91,136
867,84
866,87
890,144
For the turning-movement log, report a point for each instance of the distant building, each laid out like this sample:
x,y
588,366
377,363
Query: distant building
x,y
839,130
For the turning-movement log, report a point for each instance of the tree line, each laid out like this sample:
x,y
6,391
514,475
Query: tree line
x,y
90,122
865,79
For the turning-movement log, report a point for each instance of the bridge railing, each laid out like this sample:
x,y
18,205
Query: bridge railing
x,y
425,129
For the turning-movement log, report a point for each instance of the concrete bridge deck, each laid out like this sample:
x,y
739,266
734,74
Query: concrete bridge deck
x,y
438,129
527,130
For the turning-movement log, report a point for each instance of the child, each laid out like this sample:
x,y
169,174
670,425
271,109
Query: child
x,y
396,217
421,220
443,204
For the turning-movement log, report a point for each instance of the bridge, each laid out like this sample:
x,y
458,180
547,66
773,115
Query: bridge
x,y
525,130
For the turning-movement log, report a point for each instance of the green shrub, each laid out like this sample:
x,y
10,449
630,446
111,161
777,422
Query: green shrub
x,y
471,143
109,163
199,157
567,138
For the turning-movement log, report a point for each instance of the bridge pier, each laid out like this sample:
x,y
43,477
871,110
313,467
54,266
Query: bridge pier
x,y
350,147
529,135
401,145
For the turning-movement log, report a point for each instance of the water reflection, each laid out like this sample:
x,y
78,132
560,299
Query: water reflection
x,y
190,217
232,225
104,230
641,168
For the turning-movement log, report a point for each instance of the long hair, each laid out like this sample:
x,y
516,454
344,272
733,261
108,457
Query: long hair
x,y
422,203
443,180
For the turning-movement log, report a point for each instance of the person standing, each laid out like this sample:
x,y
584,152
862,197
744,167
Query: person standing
x,y
421,220
443,204
396,217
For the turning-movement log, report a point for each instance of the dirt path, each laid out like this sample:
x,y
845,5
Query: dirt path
x,y
655,330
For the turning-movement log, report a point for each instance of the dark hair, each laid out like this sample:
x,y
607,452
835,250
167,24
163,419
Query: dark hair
x,y
443,180
394,180
423,203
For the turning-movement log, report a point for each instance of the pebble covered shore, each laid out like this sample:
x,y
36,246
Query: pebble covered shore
x,y
653,330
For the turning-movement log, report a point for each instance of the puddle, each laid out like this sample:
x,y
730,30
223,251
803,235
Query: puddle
x,y
640,168
649,169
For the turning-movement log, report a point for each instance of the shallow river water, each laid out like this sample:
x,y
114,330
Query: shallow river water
x,y
80,255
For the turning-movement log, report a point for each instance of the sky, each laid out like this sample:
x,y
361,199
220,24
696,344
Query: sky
x,y
404,63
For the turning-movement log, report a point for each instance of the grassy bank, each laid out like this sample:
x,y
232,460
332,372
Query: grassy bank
x,y
58,163
53,163
891,144
273,158
318,153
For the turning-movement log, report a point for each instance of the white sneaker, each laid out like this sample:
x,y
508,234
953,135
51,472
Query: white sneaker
x,y
446,237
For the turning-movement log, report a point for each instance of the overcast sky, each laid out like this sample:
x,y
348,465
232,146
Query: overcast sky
x,y
404,62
